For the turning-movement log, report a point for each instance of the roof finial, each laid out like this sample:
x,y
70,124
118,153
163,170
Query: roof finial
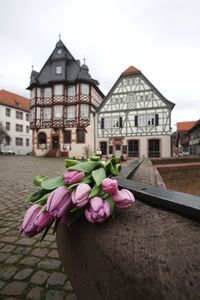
x,y
84,60
32,67
59,36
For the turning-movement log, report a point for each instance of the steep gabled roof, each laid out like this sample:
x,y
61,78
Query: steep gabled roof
x,y
13,100
72,70
134,71
185,126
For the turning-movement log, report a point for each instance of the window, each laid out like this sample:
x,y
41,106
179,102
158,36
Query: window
x,y
42,138
58,111
71,91
47,93
84,89
110,149
19,141
59,51
47,113
151,119
27,129
58,90
71,112
131,101
32,114
8,140
67,137
33,93
58,70
84,111
19,127
103,147
7,112
142,120
19,115
154,148
27,117
7,125
27,142
102,123
80,135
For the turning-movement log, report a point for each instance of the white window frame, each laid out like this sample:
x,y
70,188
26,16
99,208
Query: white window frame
x,y
151,119
47,92
47,113
107,122
71,91
84,111
59,51
71,112
142,120
84,89
58,70
58,90
32,114
58,111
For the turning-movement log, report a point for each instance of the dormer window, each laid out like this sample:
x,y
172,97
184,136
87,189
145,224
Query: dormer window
x,y
59,51
58,70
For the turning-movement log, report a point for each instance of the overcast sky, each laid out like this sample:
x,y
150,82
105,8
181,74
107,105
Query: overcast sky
x,y
159,37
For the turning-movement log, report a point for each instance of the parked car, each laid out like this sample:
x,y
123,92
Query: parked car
x,y
7,152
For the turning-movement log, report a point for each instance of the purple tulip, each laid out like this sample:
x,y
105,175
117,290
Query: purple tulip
x,y
71,177
59,202
123,198
42,220
28,226
98,211
109,185
80,196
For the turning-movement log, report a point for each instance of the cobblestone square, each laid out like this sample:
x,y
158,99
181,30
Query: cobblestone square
x,y
30,269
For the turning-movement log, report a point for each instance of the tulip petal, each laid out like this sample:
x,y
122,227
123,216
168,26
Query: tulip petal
x,y
96,203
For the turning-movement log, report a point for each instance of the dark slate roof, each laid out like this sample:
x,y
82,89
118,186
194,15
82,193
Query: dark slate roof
x,y
72,70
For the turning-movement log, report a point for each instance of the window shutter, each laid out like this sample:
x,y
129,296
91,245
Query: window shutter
x,y
102,123
157,119
136,121
120,122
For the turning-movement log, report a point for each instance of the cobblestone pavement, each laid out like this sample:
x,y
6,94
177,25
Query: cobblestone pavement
x,y
29,269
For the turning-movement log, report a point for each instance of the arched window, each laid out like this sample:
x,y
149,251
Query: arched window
x,y
42,140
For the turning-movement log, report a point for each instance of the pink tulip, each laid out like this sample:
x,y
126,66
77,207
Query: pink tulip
x,y
59,202
98,211
80,196
42,220
28,226
71,177
123,198
109,185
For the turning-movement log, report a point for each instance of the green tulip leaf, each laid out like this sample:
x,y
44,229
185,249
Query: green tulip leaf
x,y
43,199
99,175
36,196
96,190
52,183
85,167
71,162
95,158
38,180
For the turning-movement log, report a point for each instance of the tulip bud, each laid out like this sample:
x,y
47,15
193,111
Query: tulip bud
x,y
42,220
98,211
123,198
28,226
80,196
71,177
59,202
109,185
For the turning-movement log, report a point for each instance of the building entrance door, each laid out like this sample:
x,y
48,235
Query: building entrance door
x,y
154,148
55,142
118,151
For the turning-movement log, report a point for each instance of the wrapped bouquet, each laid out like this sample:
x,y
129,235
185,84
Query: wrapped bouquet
x,y
86,188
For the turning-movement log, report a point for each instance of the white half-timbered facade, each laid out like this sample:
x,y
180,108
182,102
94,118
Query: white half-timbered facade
x,y
64,99
134,119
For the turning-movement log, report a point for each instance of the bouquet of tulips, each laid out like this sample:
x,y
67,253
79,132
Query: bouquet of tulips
x,y
86,188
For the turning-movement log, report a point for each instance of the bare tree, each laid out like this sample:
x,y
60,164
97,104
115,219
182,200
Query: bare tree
x,y
4,136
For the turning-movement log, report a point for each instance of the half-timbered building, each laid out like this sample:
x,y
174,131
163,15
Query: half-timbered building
x,y
134,120
64,99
